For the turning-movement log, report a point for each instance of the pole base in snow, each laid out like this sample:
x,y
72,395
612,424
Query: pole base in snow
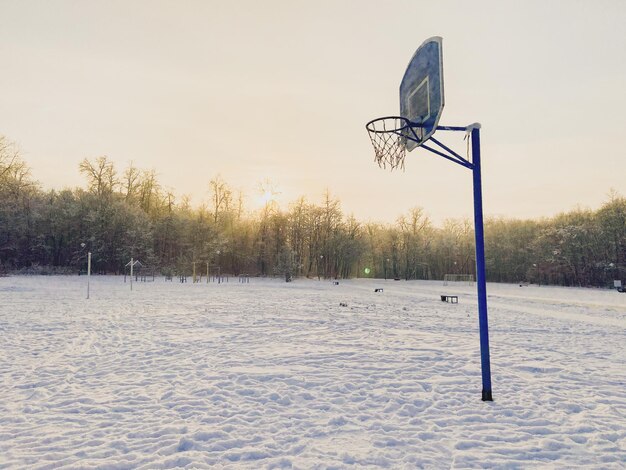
x,y
487,395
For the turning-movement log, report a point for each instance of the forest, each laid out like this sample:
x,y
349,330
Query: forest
x,y
120,214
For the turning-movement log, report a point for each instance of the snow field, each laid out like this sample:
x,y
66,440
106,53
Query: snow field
x,y
279,375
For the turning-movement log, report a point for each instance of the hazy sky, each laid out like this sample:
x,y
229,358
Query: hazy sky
x,y
281,90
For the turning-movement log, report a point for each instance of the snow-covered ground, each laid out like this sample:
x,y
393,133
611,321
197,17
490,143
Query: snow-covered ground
x,y
280,375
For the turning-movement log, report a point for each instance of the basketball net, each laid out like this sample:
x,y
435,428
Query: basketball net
x,y
388,136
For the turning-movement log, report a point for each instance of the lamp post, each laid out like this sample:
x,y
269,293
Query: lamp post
x,y
82,245
219,269
88,271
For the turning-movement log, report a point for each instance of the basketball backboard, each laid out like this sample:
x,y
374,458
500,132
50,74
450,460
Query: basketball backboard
x,y
421,90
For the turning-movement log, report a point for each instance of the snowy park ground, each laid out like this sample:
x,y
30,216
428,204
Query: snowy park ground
x,y
280,375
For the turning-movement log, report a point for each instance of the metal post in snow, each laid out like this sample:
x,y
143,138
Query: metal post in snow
x,y
481,282
88,271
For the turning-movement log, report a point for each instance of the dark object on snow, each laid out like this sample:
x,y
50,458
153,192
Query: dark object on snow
x,y
453,299
343,304
378,289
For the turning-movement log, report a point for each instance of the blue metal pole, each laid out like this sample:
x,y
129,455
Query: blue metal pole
x,y
481,281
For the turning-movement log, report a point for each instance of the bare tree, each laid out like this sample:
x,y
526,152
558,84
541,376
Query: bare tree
x,y
221,196
131,183
101,176
14,172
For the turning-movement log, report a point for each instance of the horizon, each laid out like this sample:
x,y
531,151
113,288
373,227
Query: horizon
x,y
269,192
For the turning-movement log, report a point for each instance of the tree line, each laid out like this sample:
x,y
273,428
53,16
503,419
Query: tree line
x,y
124,214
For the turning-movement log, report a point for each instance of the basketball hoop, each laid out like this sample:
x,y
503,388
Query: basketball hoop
x,y
421,104
389,136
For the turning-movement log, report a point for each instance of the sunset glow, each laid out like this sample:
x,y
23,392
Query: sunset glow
x,y
268,197
245,89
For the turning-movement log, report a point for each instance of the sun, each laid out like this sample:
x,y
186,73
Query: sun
x,y
268,197
268,193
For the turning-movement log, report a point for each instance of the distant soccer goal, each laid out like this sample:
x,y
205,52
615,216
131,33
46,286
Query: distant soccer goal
x,y
466,279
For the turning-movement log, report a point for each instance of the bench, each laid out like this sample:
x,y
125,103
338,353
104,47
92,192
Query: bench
x,y
453,299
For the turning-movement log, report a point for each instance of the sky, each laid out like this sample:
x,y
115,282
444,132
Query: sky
x,y
281,91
